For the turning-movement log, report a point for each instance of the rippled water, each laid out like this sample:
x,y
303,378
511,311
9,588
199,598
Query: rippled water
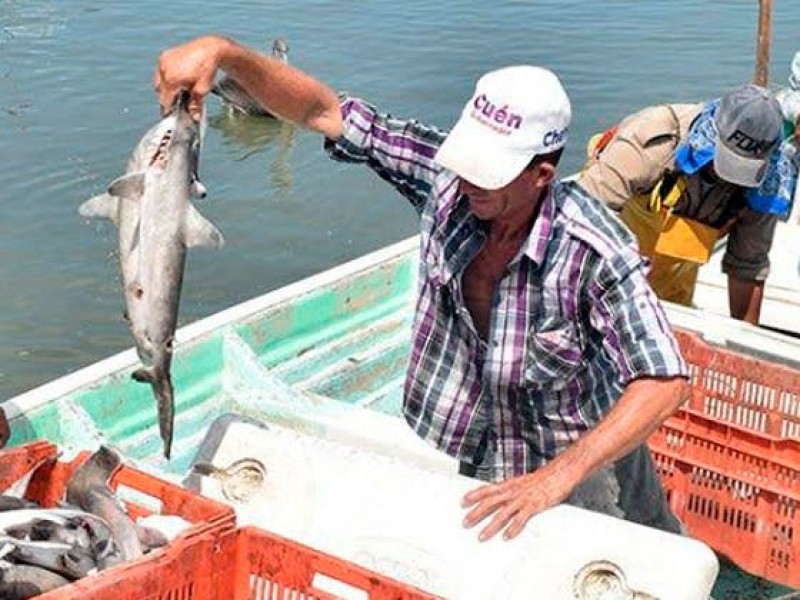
x,y
75,96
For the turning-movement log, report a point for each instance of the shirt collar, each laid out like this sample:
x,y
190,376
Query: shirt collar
x,y
535,246
450,200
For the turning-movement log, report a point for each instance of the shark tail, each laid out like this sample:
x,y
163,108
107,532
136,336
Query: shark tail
x,y
162,388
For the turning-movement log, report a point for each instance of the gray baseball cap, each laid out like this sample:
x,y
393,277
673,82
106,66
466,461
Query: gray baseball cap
x,y
749,125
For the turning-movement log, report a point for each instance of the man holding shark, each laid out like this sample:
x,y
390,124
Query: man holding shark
x,y
540,357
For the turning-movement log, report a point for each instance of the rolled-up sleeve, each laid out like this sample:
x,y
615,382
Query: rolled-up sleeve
x,y
400,151
638,155
636,334
613,177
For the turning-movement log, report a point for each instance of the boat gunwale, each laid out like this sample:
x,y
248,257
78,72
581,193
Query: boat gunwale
x,y
202,329
713,328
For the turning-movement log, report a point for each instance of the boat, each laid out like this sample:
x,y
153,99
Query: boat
x,y
320,361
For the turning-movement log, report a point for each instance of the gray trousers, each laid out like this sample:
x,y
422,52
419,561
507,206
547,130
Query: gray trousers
x,y
629,489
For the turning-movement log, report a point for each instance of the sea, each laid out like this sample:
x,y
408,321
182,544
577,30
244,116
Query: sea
x,y
76,95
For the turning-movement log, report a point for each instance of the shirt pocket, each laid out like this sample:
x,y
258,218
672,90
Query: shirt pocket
x,y
554,356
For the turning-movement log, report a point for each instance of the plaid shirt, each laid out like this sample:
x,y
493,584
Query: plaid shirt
x,y
573,321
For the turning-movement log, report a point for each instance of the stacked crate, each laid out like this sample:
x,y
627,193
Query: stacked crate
x,y
730,459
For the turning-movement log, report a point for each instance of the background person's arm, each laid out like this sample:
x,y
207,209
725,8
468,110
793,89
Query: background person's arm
x,y
746,262
636,158
744,298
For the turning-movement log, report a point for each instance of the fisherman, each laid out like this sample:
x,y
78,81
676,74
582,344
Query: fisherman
x,y
683,176
540,357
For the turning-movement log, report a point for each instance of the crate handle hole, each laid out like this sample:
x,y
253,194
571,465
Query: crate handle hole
x,y
337,588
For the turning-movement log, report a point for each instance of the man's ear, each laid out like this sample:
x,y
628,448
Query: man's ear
x,y
545,174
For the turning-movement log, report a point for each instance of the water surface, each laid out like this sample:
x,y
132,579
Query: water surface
x,y
75,95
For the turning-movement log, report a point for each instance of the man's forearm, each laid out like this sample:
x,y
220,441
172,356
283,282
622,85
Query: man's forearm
x,y
744,298
510,503
283,89
644,405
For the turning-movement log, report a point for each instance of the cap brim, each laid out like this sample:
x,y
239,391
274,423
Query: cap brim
x,y
472,154
746,172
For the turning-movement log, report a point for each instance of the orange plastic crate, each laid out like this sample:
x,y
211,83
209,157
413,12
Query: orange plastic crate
x,y
268,566
730,460
16,463
242,564
48,485
742,390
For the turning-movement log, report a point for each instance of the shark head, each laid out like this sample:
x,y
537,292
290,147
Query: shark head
x,y
178,130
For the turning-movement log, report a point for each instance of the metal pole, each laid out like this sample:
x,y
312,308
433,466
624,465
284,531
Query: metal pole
x,y
764,38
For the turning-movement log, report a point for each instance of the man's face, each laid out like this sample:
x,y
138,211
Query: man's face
x,y
515,199
709,175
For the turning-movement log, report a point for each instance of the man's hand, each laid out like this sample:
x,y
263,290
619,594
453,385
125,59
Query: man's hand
x,y
643,406
5,429
191,66
513,502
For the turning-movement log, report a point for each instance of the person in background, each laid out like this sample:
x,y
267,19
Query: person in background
x,y
683,176
789,100
540,357
783,178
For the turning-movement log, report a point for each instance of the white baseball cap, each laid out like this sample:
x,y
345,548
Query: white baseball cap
x,y
516,113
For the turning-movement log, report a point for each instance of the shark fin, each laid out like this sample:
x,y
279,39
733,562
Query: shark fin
x,y
142,376
128,186
103,205
200,232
